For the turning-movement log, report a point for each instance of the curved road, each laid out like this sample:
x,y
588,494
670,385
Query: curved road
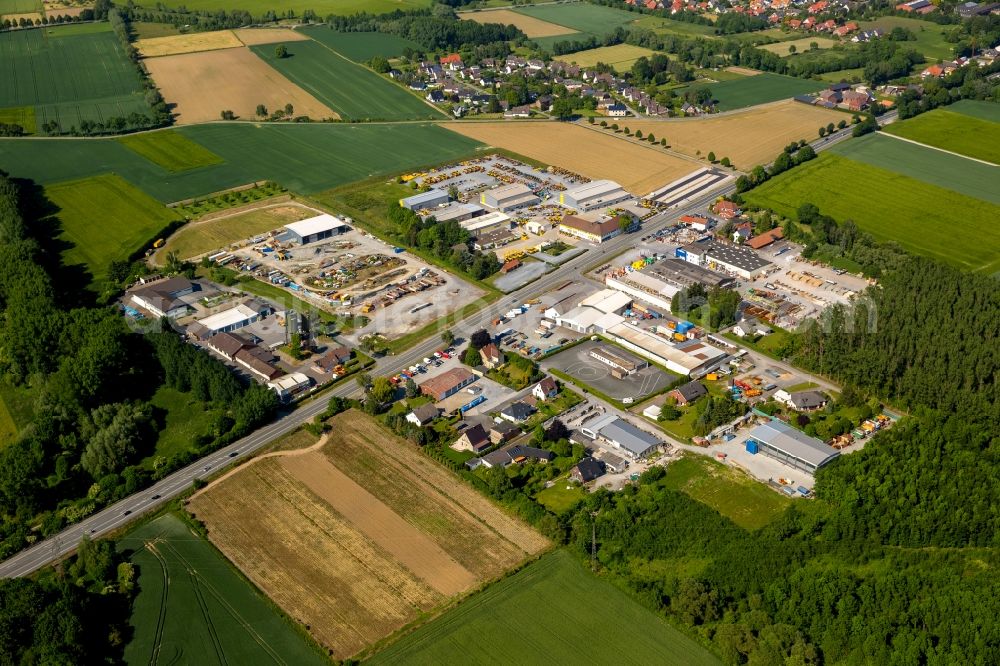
x,y
123,511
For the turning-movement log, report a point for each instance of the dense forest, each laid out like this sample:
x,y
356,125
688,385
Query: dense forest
x,y
92,433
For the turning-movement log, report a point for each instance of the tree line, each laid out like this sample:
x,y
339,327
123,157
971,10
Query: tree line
x,y
447,241
93,429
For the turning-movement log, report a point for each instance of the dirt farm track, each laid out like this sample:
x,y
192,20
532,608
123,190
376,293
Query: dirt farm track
x,y
360,534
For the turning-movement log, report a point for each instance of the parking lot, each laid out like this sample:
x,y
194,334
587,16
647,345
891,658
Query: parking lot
x,y
577,363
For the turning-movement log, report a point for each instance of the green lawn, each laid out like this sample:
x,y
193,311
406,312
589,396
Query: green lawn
x,y
771,344
759,89
968,177
952,131
843,75
304,157
106,218
353,91
184,419
923,218
977,109
562,496
193,607
68,76
19,115
170,150
552,612
258,8
930,36
361,46
746,502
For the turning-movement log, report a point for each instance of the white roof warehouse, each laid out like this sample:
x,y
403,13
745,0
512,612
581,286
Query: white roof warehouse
x,y
316,228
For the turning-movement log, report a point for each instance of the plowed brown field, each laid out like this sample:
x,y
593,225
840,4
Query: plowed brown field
x,y
361,536
202,85
638,168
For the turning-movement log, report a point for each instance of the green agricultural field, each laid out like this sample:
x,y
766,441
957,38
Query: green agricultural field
x,y
930,36
304,157
923,218
977,109
587,19
361,46
68,77
663,26
748,503
956,132
759,89
172,151
105,218
353,91
193,607
577,619
934,167
144,30
19,6
258,8
19,115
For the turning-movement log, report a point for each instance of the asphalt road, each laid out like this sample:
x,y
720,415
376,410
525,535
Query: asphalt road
x,y
123,511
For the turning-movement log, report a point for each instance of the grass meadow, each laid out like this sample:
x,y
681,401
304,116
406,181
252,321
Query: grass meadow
x,y
760,89
193,607
170,150
748,503
183,418
353,91
68,77
930,36
304,157
957,132
586,19
977,109
106,218
361,46
19,115
17,408
923,218
200,237
577,618
619,56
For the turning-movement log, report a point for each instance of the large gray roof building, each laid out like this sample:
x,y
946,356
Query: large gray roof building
x,y
782,442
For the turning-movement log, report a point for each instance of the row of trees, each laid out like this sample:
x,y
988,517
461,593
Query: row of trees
x,y
793,155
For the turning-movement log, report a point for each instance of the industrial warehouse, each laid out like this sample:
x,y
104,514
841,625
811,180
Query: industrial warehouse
x,y
595,194
790,446
737,259
316,228
657,283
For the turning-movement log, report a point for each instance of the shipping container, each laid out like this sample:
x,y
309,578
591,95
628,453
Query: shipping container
x,y
752,447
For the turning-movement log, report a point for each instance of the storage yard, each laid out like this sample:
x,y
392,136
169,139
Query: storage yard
x,y
578,363
350,273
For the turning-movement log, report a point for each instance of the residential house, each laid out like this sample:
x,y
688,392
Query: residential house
x,y
435,97
617,111
336,355
492,356
767,238
802,401
516,454
423,414
545,389
259,362
473,439
696,222
727,210
227,345
587,470
750,326
856,101
504,431
688,393
517,412
518,112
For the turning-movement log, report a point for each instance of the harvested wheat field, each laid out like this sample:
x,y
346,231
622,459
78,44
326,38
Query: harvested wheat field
x,y
202,85
27,16
255,36
747,138
745,71
59,10
529,25
638,168
156,47
359,535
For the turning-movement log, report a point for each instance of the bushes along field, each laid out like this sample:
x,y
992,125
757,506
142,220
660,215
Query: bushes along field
x,y
923,218
353,91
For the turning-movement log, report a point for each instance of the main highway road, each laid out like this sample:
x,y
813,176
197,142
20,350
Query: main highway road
x,y
118,514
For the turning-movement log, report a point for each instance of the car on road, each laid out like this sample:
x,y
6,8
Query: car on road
x,y
234,454
126,512
155,497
